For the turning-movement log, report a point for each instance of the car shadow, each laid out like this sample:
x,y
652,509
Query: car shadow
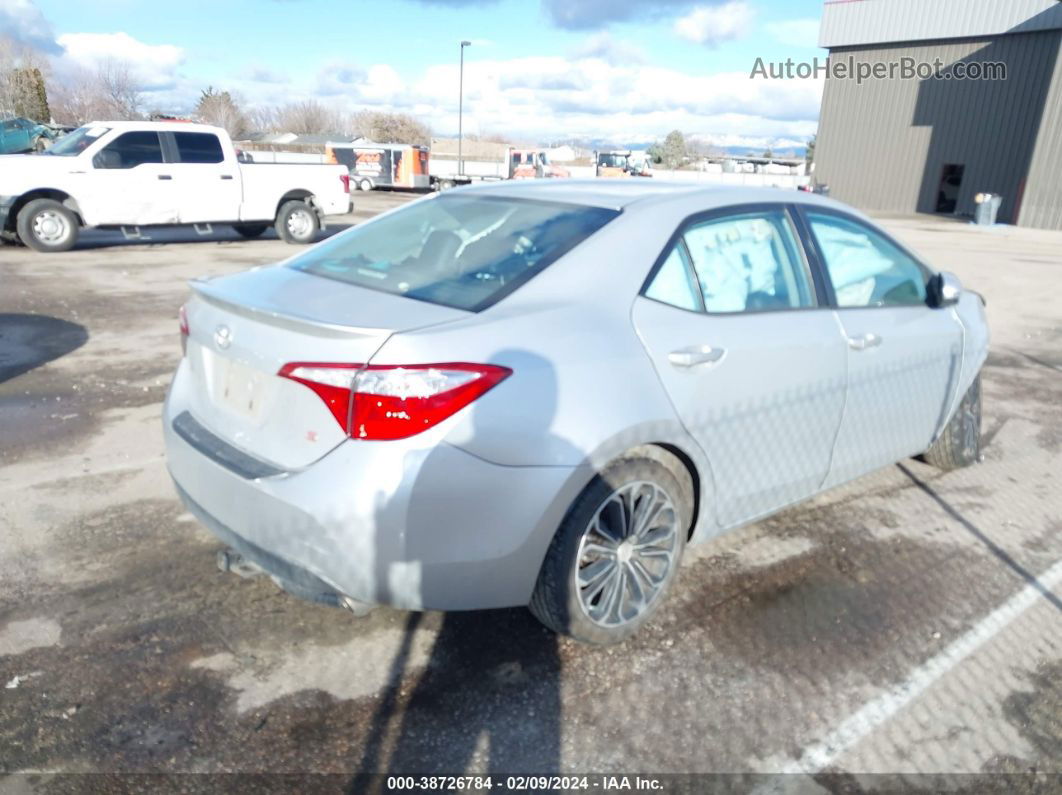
x,y
91,239
28,341
489,697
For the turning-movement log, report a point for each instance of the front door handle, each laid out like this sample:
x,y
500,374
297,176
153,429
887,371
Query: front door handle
x,y
226,176
698,354
165,176
864,342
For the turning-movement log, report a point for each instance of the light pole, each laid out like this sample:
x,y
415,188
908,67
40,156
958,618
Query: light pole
x,y
460,104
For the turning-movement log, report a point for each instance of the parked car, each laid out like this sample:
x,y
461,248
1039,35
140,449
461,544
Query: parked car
x,y
537,393
134,174
22,135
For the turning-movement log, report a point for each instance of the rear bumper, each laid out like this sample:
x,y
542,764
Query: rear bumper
x,y
393,523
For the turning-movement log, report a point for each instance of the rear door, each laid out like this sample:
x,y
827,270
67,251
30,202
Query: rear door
x,y
752,359
206,179
904,357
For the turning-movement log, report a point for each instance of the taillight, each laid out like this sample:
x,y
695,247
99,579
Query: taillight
x,y
386,402
345,179
182,319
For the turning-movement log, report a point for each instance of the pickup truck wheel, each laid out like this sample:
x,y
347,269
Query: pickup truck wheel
x,y
297,222
46,225
250,230
40,145
365,185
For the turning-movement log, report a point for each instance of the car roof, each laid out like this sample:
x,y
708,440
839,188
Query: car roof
x,y
168,126
621,193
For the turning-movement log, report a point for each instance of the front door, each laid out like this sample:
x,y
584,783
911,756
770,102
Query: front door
x,y
754,365
904,357
129,184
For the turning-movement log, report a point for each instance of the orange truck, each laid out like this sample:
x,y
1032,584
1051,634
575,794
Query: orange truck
x,y
374,165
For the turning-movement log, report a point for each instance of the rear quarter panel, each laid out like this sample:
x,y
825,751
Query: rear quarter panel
x,y
265,184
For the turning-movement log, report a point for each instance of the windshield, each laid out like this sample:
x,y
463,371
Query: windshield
x,y
77,142
466,252
610,160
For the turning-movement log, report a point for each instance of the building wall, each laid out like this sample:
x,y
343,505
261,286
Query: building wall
x,y
1041,204
882,145
871,23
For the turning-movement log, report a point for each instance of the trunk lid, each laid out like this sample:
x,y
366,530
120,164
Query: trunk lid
x,y
244,328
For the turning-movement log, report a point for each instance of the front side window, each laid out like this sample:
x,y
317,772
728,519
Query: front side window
x,y
465,252
865,267
130,150
193,147
749,263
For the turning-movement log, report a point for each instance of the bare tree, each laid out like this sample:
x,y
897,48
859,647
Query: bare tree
x,y
222,109
308,117
107,93
391,128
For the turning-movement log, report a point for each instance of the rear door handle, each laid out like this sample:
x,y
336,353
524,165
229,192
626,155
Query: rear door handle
x,y
226,176
864,342
696,355
165,176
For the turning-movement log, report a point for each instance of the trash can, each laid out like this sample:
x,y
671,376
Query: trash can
x,y
987,208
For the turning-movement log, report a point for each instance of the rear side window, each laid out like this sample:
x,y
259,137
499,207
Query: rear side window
x,y
193,147
467,252
865,267
130,150
741,263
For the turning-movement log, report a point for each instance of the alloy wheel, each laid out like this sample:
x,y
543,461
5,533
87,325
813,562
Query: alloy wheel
x,y
626,554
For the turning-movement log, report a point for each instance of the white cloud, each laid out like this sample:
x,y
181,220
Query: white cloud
x,y
154,65
795,32
712,25
557,97
22,21
614,51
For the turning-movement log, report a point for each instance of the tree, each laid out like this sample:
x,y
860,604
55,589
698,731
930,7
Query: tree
x,y
308,117
390,128
768,153
655,152
22,81
110,92
809,155
674,150
222,109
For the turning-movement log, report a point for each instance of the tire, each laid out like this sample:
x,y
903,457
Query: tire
x,y
960,443
40,145
47,226
365,185
588,614
250,230
297,223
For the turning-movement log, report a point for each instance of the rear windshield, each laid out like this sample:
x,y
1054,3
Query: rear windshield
x,y
467,252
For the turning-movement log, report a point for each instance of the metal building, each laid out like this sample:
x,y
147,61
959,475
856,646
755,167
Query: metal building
x,y
931,144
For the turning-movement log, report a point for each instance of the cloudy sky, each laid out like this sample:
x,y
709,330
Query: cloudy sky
x,y
553,69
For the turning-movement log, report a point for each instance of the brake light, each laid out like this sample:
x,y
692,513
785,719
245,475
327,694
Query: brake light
x,y
345,179
386,402
182,319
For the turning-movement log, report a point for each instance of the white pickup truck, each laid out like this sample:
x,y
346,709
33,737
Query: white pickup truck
x,y
133,174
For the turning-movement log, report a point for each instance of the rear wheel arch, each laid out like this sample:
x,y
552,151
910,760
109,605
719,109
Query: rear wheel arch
x,y
679,458
299,194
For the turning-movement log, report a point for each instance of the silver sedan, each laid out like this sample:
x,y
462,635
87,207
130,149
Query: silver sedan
x,y
539,392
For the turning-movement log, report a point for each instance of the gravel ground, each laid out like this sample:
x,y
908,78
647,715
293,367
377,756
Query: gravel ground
x,y
908,623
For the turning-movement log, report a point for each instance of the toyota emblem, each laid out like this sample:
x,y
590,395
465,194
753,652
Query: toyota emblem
x,y
223,337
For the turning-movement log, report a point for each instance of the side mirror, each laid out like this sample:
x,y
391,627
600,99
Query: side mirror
x,y
944,289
